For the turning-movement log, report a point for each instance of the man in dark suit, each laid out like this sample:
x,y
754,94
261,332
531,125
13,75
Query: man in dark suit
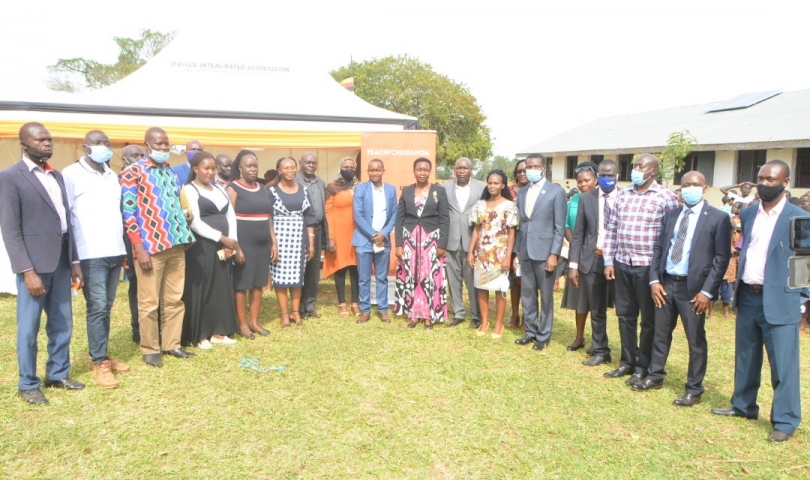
x,y
462,194
182,171
35,215
585,256
542,210
761,280
689,261
316,188
375,213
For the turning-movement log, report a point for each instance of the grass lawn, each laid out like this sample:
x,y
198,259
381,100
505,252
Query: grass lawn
x,y
384,401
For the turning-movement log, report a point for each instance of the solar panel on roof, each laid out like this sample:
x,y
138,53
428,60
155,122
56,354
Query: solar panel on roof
x,y
744,101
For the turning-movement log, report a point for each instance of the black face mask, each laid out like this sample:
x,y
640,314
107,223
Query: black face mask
x,y
347,175
768,194
37,156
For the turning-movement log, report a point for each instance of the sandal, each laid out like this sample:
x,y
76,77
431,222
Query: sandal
x,y
283,323
356,309
342,310
296,318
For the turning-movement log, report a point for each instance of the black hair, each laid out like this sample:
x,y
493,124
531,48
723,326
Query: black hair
x,y
195,161
377,160
278,163
505,192
586,166
514,172
537,155
781,164
422,159
235,174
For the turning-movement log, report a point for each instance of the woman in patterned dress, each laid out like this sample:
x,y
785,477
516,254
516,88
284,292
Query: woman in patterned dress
x,y
294,225
254,228
422,228
341,258
516,320
495,218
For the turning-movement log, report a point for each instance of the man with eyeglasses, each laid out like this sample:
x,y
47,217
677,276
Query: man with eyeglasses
x,y
542,209
585,258
632,231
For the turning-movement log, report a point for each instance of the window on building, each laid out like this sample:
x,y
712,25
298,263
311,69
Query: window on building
x,y
802,168
570,165
625,166
548,168
703,162
748,164
597,159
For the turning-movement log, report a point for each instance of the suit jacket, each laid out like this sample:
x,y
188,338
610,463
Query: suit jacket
x,y
31,230
435,213
542,234
586,231
182,172
783,303
364,213
460,228
709,254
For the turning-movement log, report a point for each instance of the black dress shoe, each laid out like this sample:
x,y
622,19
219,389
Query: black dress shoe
x,y
634,380
574,348
455,321
597,360
538,345
687,400
476,324
524,340
590,352
731,412
619,372
179,353
33,397
247,337
153,360
779,436
67,384
646,384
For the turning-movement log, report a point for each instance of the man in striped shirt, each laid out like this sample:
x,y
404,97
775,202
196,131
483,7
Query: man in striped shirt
x,y
632,230
155,224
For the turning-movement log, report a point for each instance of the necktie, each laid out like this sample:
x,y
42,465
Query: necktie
x,y
606,210
680,238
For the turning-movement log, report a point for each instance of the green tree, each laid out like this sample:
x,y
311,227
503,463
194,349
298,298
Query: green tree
x,y
77,74
497,162
405,85
679,146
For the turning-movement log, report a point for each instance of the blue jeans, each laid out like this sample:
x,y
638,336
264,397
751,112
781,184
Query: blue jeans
x,y
381,260
726,291
100,284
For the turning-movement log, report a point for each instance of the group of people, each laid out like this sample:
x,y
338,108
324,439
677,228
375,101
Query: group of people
x,y
200,242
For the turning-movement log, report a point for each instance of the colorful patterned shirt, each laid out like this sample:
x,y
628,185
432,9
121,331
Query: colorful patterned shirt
x,y
634,223
151,208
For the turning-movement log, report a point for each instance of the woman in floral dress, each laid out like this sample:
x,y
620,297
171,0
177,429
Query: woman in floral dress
x,y
495,218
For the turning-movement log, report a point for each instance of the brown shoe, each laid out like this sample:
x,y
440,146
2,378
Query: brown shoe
x,y
103,376
384,317
117,366
363,318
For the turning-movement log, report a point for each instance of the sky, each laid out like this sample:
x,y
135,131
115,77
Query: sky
x,y
537,68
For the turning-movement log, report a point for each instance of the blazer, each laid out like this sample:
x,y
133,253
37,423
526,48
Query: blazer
x,y
31,230
586,232
182,172
363,210
783,305
709,254
542,234
435,213
460,228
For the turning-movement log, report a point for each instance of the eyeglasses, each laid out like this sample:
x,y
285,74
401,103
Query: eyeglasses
x,y
521,171
584,169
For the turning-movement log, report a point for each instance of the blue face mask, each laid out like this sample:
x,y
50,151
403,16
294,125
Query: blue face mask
x,y
158,156
534,176
607,184
692,195
191,154
100,153
637,177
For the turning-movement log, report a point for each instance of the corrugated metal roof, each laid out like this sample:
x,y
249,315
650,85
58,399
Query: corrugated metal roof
x,y
783,118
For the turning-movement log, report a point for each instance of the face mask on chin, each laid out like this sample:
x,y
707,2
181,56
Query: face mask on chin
x,y
37,156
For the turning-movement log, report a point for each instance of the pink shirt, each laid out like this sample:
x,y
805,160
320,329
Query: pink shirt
x,y
46,177
761,233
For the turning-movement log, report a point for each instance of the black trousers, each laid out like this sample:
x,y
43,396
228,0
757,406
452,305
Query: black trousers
x,y
633,296
312,276
340,283
595,286
677,302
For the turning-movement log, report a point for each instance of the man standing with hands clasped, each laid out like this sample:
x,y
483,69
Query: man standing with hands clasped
x,y
688,265
761,281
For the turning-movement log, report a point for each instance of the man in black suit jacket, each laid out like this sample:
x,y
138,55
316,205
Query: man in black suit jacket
x,y
35,215
689,261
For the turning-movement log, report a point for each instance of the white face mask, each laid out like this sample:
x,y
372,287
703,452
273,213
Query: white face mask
x,y
100,153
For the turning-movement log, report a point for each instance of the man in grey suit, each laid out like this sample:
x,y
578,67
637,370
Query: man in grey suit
x,y
462,193
542,210
34,212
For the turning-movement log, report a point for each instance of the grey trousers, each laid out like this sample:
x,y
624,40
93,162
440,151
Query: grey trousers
x,y
458,271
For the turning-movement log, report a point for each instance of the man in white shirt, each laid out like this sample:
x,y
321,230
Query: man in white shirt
x,y
94,195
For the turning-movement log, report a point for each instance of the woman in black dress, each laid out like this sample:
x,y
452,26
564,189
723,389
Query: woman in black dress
x,y
255,229
210,314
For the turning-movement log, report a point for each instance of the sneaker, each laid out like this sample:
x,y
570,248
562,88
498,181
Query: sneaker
x,y
205,345
102,374
223,341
